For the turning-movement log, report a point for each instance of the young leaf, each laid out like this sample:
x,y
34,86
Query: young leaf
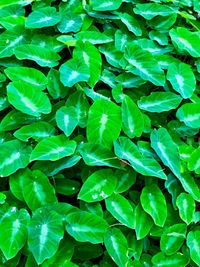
x,y
31,76
86,227
67,119
173,238
166,149
14,230
121,209
186,206
43,17
117,246
182,79
193,243
45,231
159,102
127,150
14,155
154,203
189,113
104,123
53,148
132,119
27,99
142,222
143,64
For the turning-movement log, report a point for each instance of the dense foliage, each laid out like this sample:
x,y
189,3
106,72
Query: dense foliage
x,y
99,133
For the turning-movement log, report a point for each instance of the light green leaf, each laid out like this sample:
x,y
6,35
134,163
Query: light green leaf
x,y
121,209
142,222
104,123
37,130
105,5
131,23
27,99
53,148
151,10
54,86
89,54
189,113
182,79
127,150
67,119
37,190
162,260
86,227
117,246
159,102
125,179
98,155
193,242
143,64
70,23
44,234
166,149
43,17
31,76
98,186
14,155
13,229
186,41
94,37
73,71
173,238
132,119
7,3
189,184
41,55
194,161
154,203
186,206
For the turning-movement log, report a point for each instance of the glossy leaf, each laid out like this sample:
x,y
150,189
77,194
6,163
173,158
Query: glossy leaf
x,y
186,206
163,260
189,113
193,239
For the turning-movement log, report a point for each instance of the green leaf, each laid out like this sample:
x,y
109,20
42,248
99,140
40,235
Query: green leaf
x,y
66,187
127,150
182,79
53,148
27,99
186,41
151,10
166,149
98,155
121,209
186,206
31,76
74,71
132,119
104,123
70,23
142,222
86,227
37,190
94,37
194,161
173,238
98,186
41,55
177,259
117,246
45,231
143,64
37,131
125,179
131,23
189,184
67,119
189,113
43,17
159,102
154,203
89,54
54,86
105,5
193,243
14,155
13,229
7,3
